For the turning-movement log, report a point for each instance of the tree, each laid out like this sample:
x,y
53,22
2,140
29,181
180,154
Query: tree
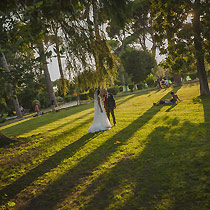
x,y
57,41
11,89
137,63
171,24
46,72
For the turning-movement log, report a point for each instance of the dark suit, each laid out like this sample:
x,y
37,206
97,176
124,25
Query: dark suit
x,y
109,105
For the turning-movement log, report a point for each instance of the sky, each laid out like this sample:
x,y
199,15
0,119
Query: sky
x,y
54,70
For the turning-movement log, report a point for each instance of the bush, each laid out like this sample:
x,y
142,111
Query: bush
x,y
84,97
70,98
131,87
2,120
113,90
140,86
121,89
44,99
91,93
150,80
171,78
34,102
193,76
59,99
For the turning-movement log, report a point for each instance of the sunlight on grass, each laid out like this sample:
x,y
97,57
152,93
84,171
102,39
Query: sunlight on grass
x,y
155,158
63,124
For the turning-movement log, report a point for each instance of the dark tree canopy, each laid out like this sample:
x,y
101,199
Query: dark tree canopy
x,y
137,63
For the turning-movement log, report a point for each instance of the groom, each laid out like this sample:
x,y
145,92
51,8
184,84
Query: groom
x,y
109,105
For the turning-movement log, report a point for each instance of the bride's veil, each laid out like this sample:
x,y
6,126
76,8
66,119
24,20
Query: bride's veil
x,y
96,98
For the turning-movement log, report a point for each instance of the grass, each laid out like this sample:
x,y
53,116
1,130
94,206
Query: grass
x,y
155,158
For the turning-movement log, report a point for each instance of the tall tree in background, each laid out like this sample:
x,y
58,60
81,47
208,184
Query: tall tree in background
x,y
137,63
58,41
171,24
11,89
44,67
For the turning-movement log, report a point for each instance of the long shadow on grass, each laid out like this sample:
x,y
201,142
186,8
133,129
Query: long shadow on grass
x,y
32,124
64,185
206,107
52,162
129,97
14,188
172,172
45,166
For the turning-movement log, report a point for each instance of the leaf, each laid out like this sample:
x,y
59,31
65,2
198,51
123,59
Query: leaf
x,y
39,4
18,42
11,204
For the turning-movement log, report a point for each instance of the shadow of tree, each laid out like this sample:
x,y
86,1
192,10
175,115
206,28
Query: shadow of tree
x,y
54,160
35,123
45,166
205,100
121,99
50,197
14,188
32,124
170,173
5,141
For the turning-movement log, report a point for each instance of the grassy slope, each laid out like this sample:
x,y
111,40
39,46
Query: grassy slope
x,y
156,157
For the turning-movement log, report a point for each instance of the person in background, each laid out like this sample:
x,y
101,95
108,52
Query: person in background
x,y
158,83
53,105
166,83
173,100
37,109
22,110
162,82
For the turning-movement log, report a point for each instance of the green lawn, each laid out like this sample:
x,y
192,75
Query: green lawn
x,y
155,158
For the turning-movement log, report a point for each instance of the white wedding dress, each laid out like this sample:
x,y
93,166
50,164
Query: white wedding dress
x,y
101,121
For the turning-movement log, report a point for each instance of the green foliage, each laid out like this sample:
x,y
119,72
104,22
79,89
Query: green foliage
x,y
140,86
121,88
131,87
113,90
91,93
193,76
58,83
137,63
59,99
43,97
184,25
70,98
150,80
84,96
2,120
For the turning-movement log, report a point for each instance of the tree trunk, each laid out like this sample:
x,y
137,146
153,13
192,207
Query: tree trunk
x,y
204,88
14,97
154,44
55,29
177,80
121,67
61,69
47,75
9,108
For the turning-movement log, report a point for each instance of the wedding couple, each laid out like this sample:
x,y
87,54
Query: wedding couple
x,y
101,120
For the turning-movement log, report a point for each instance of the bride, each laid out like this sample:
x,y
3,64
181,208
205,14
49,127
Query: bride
x,y
100,122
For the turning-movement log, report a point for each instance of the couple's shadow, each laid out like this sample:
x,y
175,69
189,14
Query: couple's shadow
x,y
171,107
